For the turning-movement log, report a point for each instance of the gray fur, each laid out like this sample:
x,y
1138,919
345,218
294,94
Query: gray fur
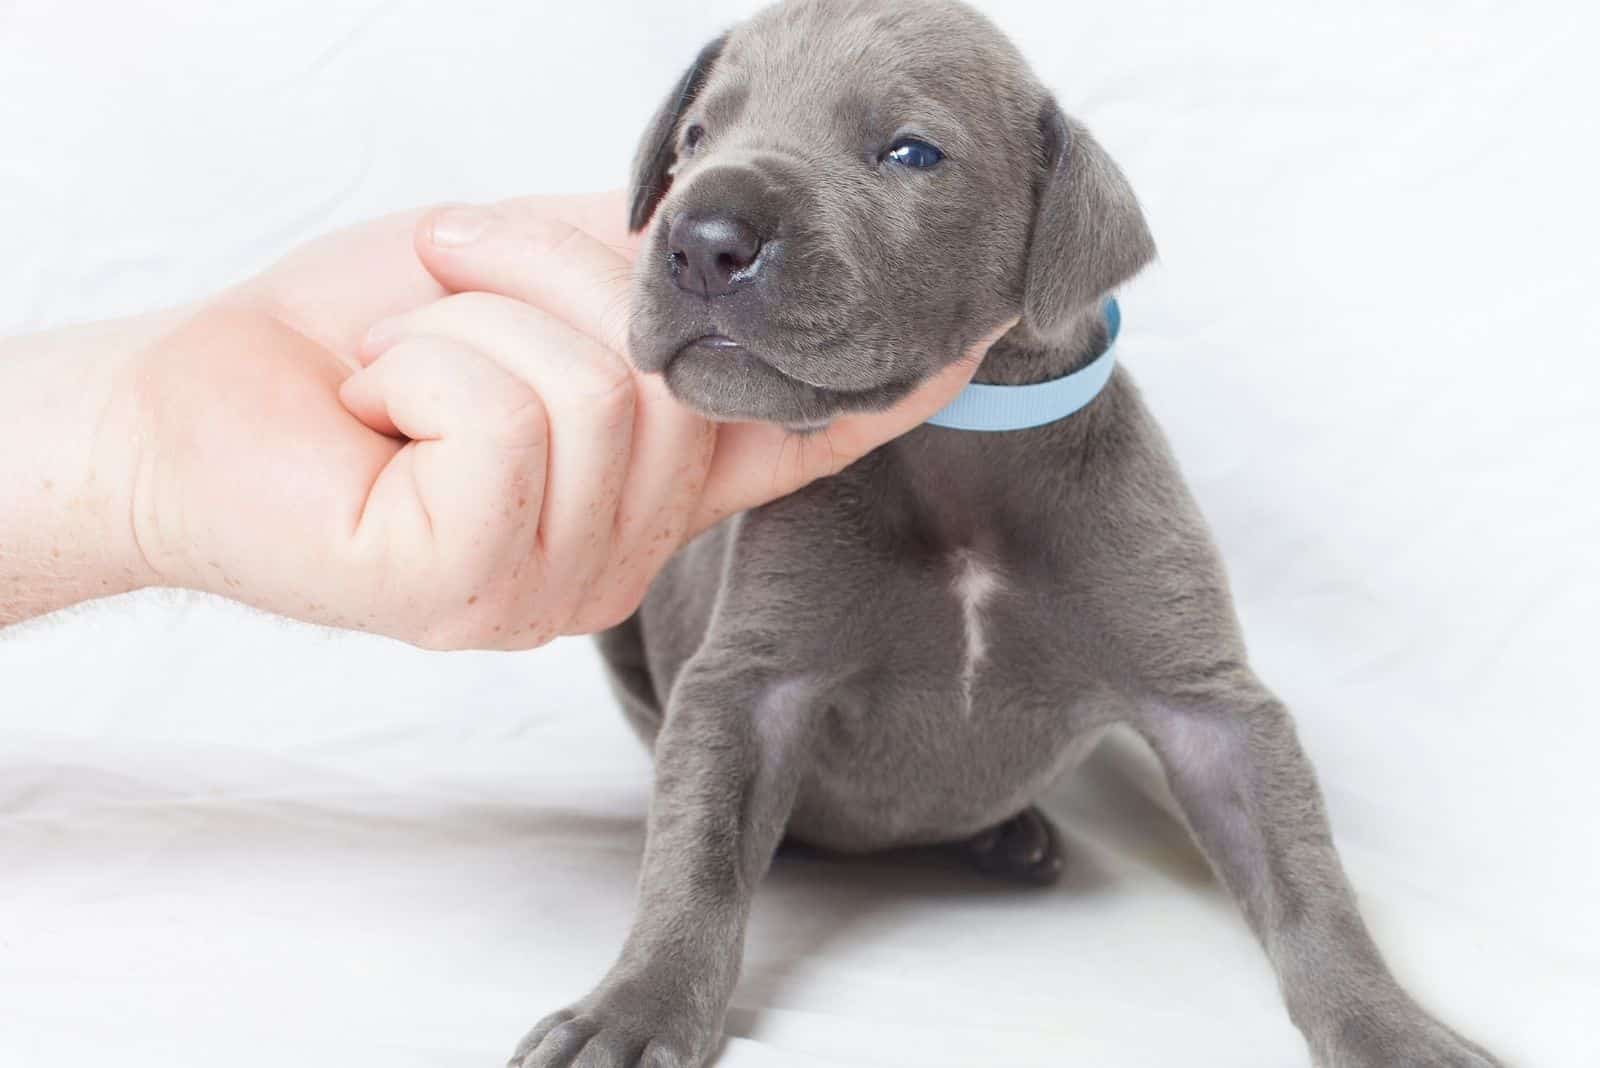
x,y
816,667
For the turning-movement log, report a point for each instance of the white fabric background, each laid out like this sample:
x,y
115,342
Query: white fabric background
x,y
1372,336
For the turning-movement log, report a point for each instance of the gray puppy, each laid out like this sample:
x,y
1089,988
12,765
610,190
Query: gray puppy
x,y
845,195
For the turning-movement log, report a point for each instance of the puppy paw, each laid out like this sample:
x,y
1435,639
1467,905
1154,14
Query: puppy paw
x,y
1024,849
617,1029
1411,1038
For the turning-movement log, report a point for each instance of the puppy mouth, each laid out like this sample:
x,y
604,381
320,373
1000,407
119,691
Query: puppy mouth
x,y
728,380
744,355
714,341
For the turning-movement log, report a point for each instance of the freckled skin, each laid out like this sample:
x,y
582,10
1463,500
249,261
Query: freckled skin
x,y
812,667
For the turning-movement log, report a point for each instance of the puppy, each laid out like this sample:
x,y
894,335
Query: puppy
x,y
842,196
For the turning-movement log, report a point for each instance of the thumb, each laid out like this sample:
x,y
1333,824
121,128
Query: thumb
x,y
535,250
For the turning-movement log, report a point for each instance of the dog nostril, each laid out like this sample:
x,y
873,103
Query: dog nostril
x,y
712,254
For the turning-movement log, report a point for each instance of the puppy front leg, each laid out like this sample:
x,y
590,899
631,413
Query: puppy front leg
x,y
1251,799
729,758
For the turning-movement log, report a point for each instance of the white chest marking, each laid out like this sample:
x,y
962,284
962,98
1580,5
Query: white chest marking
x,y
975,584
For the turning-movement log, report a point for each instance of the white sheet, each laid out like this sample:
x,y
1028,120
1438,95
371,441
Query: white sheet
x,y
1372,336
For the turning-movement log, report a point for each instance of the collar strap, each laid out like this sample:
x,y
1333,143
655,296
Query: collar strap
x,y
996,408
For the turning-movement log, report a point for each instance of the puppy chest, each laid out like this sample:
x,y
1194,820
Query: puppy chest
x,y
972,585
954,718
954,644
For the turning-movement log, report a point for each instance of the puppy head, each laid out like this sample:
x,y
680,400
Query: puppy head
x,y
844,195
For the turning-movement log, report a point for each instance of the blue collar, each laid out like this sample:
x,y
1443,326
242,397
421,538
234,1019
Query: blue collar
x,y
985,407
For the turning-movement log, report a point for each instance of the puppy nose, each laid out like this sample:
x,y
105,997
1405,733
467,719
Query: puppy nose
x,y
712,254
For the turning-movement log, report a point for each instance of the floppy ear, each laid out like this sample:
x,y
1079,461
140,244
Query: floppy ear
x,y
1088,233
657,151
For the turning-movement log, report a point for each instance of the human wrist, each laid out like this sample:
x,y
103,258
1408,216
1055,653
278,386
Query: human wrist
x,y
70,435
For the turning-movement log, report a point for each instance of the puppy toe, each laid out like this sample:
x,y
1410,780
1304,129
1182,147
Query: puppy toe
x,y
661,1055
609,1049
556,1042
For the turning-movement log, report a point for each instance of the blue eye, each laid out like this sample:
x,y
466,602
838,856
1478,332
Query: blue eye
x,y
909,152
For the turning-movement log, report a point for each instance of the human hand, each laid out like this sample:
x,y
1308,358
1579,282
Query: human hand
x,y
250,478
483,470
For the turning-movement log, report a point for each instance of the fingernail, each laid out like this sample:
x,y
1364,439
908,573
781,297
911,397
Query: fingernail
x,y
454,227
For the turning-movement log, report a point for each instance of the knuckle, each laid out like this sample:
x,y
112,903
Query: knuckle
x,y
615,598
600,383
610,383
521,422
614,612
632,599
547,236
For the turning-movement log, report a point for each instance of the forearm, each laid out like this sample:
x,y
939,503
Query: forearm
x,y
66,465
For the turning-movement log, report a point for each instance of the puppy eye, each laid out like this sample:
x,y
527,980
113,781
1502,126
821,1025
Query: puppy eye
x,y
910,152
693,136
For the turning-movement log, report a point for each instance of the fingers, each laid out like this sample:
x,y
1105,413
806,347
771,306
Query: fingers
x,y
604,216
562,255
672,450
462,495
587,393
538,252
758,462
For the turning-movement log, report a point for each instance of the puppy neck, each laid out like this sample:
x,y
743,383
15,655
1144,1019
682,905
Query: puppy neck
x,y
1022,357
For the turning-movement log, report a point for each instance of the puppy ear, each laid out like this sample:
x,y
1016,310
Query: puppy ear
x,y
1088,233
657,150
